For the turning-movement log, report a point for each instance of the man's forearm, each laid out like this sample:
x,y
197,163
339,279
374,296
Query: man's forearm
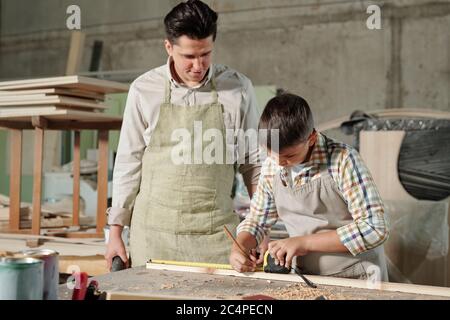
x,y
115,231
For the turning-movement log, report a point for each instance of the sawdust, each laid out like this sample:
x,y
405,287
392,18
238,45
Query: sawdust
x,y
299,291
167,286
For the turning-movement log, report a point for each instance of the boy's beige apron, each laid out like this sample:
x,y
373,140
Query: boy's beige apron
x,y
181,209
316,207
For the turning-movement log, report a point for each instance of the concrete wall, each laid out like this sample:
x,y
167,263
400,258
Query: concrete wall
x,y
319,49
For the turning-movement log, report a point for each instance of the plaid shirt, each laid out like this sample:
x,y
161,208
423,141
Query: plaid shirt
x,y
369,228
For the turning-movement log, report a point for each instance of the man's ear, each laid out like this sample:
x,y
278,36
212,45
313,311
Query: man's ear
x,y
169,47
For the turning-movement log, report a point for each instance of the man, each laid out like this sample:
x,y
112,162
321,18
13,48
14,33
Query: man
x,y
178,208
324,194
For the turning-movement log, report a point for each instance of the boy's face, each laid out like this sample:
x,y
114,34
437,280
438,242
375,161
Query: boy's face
x,y
191,57
296,154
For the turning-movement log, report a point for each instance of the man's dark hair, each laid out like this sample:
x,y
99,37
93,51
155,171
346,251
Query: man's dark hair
x,y
192,18
291,116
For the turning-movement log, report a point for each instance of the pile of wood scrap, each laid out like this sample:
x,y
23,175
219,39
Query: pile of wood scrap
x,y
65,97
53,215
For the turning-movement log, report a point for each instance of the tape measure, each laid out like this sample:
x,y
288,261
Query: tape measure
x,y
205,265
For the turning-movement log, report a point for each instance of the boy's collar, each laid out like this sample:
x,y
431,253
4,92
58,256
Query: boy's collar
x,y
317,154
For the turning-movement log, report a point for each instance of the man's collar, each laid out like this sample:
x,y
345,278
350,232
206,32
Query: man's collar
x,y
178,84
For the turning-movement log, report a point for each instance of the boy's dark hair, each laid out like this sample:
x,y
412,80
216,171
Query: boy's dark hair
x,y
192,18
291,116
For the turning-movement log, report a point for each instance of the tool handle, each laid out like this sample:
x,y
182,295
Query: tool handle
x,y
307,281
117,264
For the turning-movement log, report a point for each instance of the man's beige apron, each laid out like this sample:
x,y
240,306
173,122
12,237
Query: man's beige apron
x,y
181,209
318,206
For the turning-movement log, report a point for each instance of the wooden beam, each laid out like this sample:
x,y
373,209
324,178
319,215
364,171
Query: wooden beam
x,y
79,125
76,180
319,280
102,179
21,125
37,180
15,177
75,52
39,122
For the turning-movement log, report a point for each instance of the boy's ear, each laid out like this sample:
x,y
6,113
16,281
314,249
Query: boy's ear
x,y
312,138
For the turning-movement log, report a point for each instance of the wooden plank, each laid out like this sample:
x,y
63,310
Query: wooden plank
x,y
55,113
72,82
37,179
121,295
322,280
54,91
380,151
15,178
94,242
102,179
75,52
54,100
92,265
76,180
8,98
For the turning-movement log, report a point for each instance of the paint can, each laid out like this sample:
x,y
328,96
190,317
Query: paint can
x,y
51,270
21,278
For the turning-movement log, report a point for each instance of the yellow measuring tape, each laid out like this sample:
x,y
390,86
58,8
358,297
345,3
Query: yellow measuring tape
x,y
205,265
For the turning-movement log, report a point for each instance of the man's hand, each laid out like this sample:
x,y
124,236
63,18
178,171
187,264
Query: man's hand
x,y
115,246
283,251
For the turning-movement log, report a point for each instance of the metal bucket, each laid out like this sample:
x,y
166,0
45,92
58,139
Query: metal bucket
x,y
51,270
21,279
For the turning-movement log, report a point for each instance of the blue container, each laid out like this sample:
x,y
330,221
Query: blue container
x,y
21,279
51,270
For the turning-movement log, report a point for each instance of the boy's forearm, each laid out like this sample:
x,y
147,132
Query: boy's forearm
x,y
324,242
246,240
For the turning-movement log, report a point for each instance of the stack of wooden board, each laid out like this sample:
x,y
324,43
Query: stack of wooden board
x,y
66,98
53,215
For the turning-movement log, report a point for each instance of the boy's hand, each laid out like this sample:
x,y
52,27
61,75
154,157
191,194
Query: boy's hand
x,y
283,251
263,246
240,262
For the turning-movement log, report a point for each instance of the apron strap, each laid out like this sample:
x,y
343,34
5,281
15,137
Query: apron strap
x,y
167,91
214,91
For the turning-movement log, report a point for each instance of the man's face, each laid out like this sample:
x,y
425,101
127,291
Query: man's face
x,y
296,154
191,58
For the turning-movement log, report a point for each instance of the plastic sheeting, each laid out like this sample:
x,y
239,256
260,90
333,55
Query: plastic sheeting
x,y
417,247
424,159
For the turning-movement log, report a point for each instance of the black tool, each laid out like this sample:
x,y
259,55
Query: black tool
x,y
271,267
117,264
307,281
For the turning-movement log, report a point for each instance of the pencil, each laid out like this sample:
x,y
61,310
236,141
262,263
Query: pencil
x,y
235,242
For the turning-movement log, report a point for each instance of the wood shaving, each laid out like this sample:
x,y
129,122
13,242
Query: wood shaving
x,y
300,291
167,286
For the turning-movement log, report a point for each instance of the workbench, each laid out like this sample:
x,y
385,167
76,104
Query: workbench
x,y
148,283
